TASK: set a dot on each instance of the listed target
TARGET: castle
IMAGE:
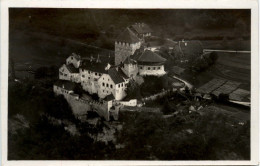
(105, 79)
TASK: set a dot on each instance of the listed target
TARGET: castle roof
(129, 61)
(141, 28)
(128, 36)
(68, 85)
(72, 69)
(94, 66)
(147, 57)
(116, 75)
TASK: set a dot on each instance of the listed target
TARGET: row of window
(151, 68)
(97, 74)
(107, 85)
(63, 74)
(111, 86)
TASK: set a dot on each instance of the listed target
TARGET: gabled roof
(115, 75)
(72, 69)
(148, 56)
(141, 28)
(65, 84)
(128, 36)
(94, 66)
(122, 74)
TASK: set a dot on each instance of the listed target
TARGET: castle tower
(130, 67)
(125, 45)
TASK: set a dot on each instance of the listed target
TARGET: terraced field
(229, 66)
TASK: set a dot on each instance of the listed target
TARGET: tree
(133, 90)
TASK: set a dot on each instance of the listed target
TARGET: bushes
(168, 107)
(154, 84)
(145, 135)
(44, 72)
(204, 62)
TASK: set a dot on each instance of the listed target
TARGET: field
(229, 66)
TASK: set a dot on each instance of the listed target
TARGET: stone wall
(81, 107)
(132, 102)
(156, 96)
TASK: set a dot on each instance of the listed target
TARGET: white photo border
(132, 4)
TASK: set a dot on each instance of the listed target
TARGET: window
(72, 57)
(88, 72)
(154, 68)
(65, 75)
(108, 79)
(107, 85)
(122, 85)
(141, 67)
(148, 68)
(89, 78)
(103, 84)
(111, 86)
(118, 85)
(103, 78)
(103, 90)
(96, 74)
(83, 76)
(99, 74)
(159, 68)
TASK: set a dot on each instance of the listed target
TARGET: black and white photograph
(139, 84)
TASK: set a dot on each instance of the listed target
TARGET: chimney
(108, 66)
(98, 60)
(91, 58)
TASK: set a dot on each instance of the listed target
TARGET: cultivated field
(229, 66)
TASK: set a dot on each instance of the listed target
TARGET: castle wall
(132, 102)
(89, 80)
(81, 107)
(151, 70)
(106, 85)
(123, 50)
(120, 91)
(130, 70)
